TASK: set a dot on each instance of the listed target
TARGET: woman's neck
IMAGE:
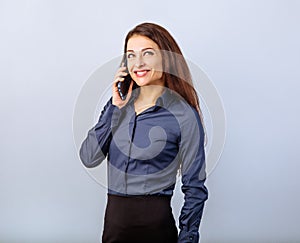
(149, 94)
(147, 97)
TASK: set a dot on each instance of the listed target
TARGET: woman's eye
(130, 55)
(148, 53)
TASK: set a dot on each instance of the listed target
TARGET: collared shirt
(145, 151)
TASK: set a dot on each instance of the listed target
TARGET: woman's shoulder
(178, 105)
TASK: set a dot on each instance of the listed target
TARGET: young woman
(156, 131)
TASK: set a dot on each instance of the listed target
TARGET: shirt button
(191, 238)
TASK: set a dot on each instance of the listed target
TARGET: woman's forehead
(138, 43)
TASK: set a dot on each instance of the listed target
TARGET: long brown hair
(176, 75)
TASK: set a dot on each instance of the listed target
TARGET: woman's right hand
(119, 77)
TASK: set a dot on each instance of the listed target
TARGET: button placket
(130, 147)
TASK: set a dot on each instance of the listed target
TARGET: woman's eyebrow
(142, 49)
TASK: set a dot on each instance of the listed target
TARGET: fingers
(121, 73)
(118, 79)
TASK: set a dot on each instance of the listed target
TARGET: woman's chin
(141, 82)
(145, 81)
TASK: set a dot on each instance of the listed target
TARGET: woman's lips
(141, 73)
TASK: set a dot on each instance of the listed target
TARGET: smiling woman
(144, 61)
(147, 137)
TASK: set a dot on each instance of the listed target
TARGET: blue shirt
(145, 151)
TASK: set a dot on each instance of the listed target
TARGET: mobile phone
(123, 86)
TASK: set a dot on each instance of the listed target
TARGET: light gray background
(249, 49)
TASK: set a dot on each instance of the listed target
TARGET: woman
(147, 138)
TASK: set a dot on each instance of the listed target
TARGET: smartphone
(123, 86)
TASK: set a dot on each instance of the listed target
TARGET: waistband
(140, 197)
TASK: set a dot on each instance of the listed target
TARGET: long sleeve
(96, 145)
(193, 177)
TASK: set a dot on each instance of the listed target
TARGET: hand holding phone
(123, 86)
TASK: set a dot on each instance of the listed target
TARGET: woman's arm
(193, 177)
(96, 145)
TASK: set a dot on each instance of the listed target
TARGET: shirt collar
(164, 100)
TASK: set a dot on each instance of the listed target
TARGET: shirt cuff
(188, 237)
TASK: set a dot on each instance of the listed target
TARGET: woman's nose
(139, 61)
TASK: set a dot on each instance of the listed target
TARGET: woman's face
(144, 61)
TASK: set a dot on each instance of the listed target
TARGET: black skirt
(139, 219)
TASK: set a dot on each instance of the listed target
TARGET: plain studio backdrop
(249, 49)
